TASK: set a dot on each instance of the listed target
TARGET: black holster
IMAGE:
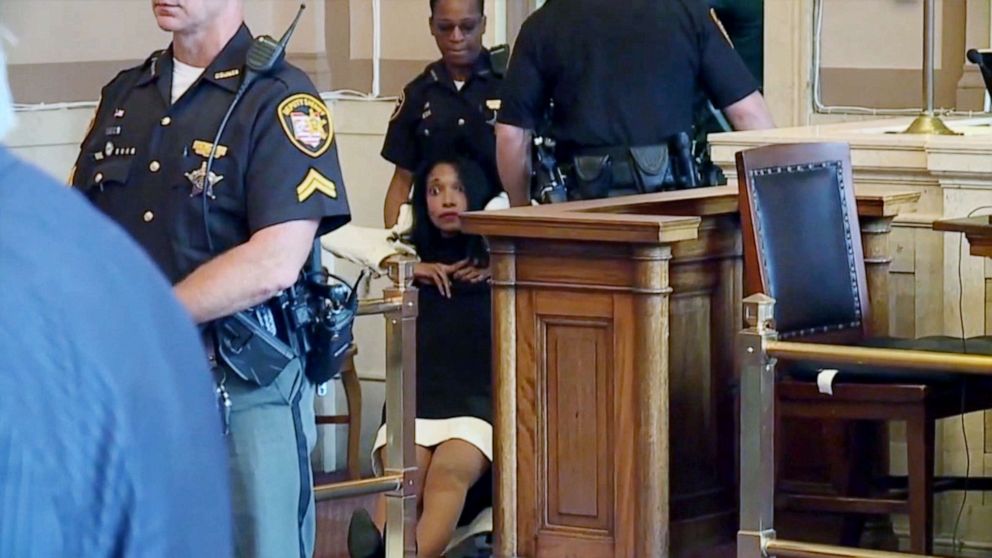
(250, 351)
(330, 332)
(599, 172)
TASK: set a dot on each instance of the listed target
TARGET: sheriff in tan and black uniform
(143, 163)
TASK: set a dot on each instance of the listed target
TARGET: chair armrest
(928, 361)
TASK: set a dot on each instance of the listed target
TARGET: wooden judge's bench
(614, 376)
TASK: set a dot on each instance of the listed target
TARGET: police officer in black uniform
(622, 90)
(452, 103)
(229, 238)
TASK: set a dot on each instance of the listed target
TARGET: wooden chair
(353, 397)
(802, 246)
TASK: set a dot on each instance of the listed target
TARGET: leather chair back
(802, 242)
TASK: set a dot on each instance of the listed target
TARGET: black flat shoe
(364, 538)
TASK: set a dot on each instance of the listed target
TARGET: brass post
(401, 401)
(757, 428)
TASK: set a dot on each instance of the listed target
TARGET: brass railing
(759, 348)
(793, 549)
(896, 358)
(399, 306)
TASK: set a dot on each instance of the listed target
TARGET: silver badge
(202, 183)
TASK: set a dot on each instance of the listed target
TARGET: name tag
(202, 148)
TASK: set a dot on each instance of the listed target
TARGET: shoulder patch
(399, 105)
(315, 182)
(307, 123)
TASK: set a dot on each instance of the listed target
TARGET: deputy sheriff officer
(451, 105)
(622, 80)
(275, 184)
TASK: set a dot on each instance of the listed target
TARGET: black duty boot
(364, 538)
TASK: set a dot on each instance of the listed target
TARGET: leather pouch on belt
(593, 176)
(251, 351)
(651, 166)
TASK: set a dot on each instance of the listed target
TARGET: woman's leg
(455, 466)
(423, 462)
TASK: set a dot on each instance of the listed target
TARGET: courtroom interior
(496, 278)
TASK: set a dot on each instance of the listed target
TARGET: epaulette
(139, 70)
(425, 77)
(152, 61)
(154, 56)
(499, 59)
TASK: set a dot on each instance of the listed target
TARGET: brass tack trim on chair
(838, 168)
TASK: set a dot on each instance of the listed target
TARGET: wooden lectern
(614, 377)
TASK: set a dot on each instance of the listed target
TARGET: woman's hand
(438, 274)
(472, 274)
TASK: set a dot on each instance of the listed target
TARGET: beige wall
(66, 50)
(872, 52)
(42, 27)
(887, 32)
(333, 41)
(867, 46)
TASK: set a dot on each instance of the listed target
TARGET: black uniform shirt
(276, 162)
(433, 115)
(619, 73)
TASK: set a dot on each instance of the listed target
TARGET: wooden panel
(705, 319)
(693, 458)
(592, 272)
(628, 455)
(554, 545)
(504, 398)
(577, 426)
(527, 466)
(567, 481)
(573, 304)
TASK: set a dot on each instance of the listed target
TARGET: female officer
(454, 101)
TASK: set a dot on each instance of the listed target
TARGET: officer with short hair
(233, 238)
(453, 103)
(622, 90)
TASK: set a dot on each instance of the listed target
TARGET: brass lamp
(928, 122)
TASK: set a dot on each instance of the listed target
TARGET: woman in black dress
(454, 398)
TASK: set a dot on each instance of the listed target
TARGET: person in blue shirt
(110, 437)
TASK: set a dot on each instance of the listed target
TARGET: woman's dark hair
(426, 237)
